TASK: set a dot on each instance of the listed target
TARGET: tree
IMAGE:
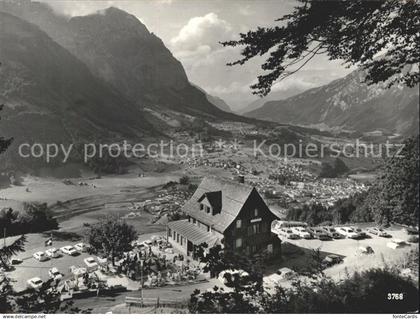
(36, 217)
(45, 300)
(6, 291)
(245, 290)
(111, 236)
(4, 142)
(380, 36)
(394, 198)
(216, 259)
(184, 180)
(40, 217)
(220, 301)
(365, 292)
(8, 251)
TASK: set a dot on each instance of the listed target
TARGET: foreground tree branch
(381, 37)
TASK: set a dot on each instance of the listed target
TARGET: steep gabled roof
(233, 197)
(215, 200)
(193, 233)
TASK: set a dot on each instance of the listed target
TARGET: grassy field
(75, 205)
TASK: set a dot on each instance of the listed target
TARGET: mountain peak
(110, 20)
(348, 103)
(53, 94)
(119, 50)
(116, 13)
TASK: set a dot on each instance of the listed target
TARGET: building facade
(226, 213)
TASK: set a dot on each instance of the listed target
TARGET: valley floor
(78, 201)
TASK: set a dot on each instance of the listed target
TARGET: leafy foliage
(220, 301)
(4, 142)
(244, 289)
(380, 36)
(184, 180)
(36, 217)
(8, 251)
(395, 196)
(45, 300)
(111, 236)
(104, 160)
(313, 214)
(365, 292)
(217, 260)
(335, 170)
(352, 209)
(6, 291)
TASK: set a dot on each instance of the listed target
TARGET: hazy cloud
(201, 35)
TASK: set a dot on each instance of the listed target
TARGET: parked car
(288, 233)
(361, 233)
(82, 247)
(55, 274)
(40, 256)
(332, 232)
(378, 232)
(301, 232)
(396, 243)
(34, 283)
(331, 260)
(348, 232)
(91, 264)
(52, 253)
(69, 250)
(319, 234)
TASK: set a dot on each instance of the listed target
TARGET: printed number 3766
(395, 296)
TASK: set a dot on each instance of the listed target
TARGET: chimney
(240, 179)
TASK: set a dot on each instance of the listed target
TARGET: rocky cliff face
(51, 96)
(349, 104)
(119, 49)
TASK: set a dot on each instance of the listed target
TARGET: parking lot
(30, 267)
(350, 250)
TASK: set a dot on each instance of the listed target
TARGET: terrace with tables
(151, 263)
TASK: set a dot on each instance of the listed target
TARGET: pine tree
(379, 36)
(395, 196)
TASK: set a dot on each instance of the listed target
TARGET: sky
(192, 29)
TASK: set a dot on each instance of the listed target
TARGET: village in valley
(227, 197)
(209, 157)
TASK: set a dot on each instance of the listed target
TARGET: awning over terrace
(193, 233)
